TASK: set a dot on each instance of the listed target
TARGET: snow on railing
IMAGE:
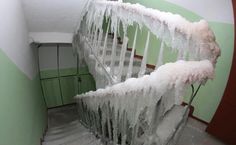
(144, 100)
(193, 41)
(177, 32)
(135, 111)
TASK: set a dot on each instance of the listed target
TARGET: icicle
(160, 57)
(124, 128)
(144, 61)
(181, 54)
(114, 123)
(130, 68)
(100, 38)
(122, 57)
(94, 42)
(92, 33)
(114, 47)
(105, 43)
(108, 121)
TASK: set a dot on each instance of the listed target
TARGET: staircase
(134, 104)
(65, 129)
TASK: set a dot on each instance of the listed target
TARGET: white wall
(51, 37)
(52, 15)
(211, 10)
(14, 36)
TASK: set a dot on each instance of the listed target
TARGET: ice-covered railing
(192, 40)
(144, 110)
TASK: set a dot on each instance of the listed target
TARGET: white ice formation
(144, 110)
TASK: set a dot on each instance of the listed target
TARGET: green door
(86, 83)
(69, 88)
(60, 78)
(51, 91)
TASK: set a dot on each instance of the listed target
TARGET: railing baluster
(130, 68)
(144, 61)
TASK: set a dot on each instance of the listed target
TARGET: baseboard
(61, 106)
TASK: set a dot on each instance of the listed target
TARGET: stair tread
(70, 138)
(62, 127)
(170, 122)
(64, 133)
(88, 141)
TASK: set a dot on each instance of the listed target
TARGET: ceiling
(52, 15)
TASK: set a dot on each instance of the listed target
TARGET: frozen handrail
(144, 110)
(193, 40)
(177, 32)
(143, 100)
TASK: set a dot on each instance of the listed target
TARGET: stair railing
(144, 110)
(193, 41)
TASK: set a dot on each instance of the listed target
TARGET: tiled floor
(193, 133)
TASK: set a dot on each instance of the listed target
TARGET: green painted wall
(210, 95)
(22, 109)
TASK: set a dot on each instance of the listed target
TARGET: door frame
(224, 115)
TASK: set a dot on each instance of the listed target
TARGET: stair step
(62, 127)
(86, 141)
(118, 51)
(64, 133)
(170, 122)
(126, 63)
(69, 139)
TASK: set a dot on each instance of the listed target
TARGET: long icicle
(114, 47)
(122, 56)
(160, 57)
(124, 128)
(144, 61)
(105, 43)
(130, 68)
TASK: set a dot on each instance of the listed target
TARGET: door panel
(67, 60)
(51, 90)
(48, 61)
(61, 93)
(69, 87)
(86, 84)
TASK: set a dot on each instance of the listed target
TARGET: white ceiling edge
(53, 15)
(211, 10)
(50, 37)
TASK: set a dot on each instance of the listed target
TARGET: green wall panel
(22, 108)
(205, 103)
(51, 90)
